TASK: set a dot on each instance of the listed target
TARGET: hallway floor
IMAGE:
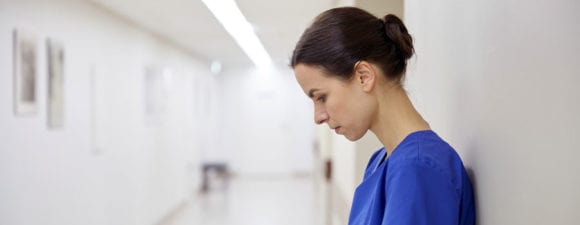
(253, 201)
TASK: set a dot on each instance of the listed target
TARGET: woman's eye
(321, 98)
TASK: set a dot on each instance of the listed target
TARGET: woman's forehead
(310, 77)
(313, 79)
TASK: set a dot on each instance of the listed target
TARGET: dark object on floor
(213, 170)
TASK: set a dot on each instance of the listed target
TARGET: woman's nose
(320, 116)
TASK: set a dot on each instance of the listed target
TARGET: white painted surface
(500, 81)
(119, 168)
(278, 24)
(265, 122)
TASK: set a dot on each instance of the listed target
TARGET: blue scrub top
(422, 182)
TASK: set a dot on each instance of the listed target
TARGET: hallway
(256, 201)
(109, 110)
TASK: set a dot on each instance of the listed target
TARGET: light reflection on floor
(253, 201)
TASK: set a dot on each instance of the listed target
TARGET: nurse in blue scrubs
(352, 65)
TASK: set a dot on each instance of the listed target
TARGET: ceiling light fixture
(232, 19)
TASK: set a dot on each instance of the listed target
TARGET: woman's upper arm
(419, 194)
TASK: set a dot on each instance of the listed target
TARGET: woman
(352, 65)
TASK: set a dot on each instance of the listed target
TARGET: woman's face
(342, 104)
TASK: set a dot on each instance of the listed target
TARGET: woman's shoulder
(429, 151)
(425, 146)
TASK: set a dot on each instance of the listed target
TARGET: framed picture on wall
(25, 72)
(155, 94)
(55, 96)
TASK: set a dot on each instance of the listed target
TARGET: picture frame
(155, 95)
(55, 90)
(25, 72)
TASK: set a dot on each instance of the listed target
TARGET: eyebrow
(311, 92)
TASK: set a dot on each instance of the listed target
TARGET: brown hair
(340, 37)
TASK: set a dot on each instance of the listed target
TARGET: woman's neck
(396, 118)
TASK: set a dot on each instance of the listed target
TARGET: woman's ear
(365, 75)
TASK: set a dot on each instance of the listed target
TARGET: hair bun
(398, 34)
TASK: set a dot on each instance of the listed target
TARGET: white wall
(109, 164)
(500, 81)
(265, 122)
(380, 8)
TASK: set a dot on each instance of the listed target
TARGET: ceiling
(191, 26)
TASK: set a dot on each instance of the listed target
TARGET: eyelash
(321, 98)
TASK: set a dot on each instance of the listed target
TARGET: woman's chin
(353, 138)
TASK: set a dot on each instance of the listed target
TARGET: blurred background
(141, 112)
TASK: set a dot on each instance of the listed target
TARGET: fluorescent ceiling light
(230, 16)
